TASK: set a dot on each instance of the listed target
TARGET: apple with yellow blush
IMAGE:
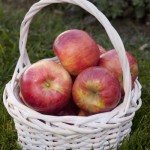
(76, 50)
(96, 90)
(45, 86)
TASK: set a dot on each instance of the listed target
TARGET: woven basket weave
(44, 132)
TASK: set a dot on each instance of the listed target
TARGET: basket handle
(112, 34)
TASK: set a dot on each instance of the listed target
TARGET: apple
(101, 49)
(96, 90)
(70, 109)
(46, 86)
(76, 50)
(83, 113)
(110, 60)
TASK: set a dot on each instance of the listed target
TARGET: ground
(44, 28)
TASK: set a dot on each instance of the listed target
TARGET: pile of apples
(86, 81)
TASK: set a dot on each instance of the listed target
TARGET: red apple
(46, 87)
(101, 49)
(110, 60)
(70, 109)
(96, 90)
(76, 50)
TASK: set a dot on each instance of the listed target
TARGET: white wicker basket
(101, 131)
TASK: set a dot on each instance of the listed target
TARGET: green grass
(43, 30)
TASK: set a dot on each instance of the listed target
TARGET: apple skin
(96, 90)
(101, 49)
(110, 60)
(46, 87)
(76, 50)
(70, 109)
(83, 113)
